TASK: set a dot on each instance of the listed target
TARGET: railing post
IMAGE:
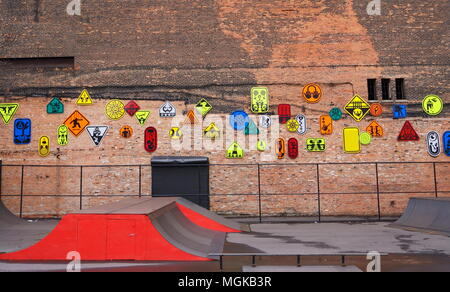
(81, 187)
(378, 191)
(21, 192)
(435, 180)
(140, 181)
(259, 194)
(318, 192)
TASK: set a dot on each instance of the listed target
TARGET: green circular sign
(335, 114)
(432, 105)
(365, 138)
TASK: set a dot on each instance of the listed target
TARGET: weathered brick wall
(184, 50)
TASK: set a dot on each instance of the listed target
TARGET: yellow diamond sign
(357, 108)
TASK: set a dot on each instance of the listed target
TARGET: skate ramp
(426, 214)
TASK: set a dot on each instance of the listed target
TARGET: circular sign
(239, 120)
(292, 125)
(265, 121)
(115, 109)
(432, 105)
(126, 132)
(175, 133)
(335, 114)
(376, 109)
(312, 93)
(365, 138)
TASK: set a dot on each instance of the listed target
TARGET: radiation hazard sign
(84, 98)
(76, 123)
(357, 108)
(235, 151)
(7, 111)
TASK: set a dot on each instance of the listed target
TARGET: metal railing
(259, 191)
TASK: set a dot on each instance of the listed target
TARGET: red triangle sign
(408, 133)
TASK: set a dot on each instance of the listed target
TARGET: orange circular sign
(126, 132)
(312, 93)
(376, 109)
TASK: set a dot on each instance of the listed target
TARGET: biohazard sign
(63, 135)
(280, 148)
(260, 100)
(84, 98)
(316, 145)
(131, 108)
(55, 106)
(211, 132)
(408, 133)
(352, 143)
(235, 151)
(97, 133)
(312, 93)
(76, 123)
(142, 116)
(150, 139)
(44, 146)
(375, 129)
(167, 110)
(191, 119)
(292, 125)
(251, 128)
(22, 131)
(115, 109)
(376, 109)
(433, 144)
(126, 132)
(326, 125)
(203, 107)
(284, 113)
(293, 148)
(175, 133)
(357, 108)
(7, 111)
(432, 105)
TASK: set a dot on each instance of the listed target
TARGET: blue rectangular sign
(22, 131)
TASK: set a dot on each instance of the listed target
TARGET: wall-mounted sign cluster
(131, 108)
(312, 93)
(150, 139)
(433, 144)
(316, 145)
(55, 106)
(408, 133)
(76, 123)
(235, 151)
(7, 111)
(126, 132)
(115, 109)
(260, 100)
(84, 98)
(167, 110)
(44, 146)
(62, 135)
(357, 108)
(142, 117)
(22, 131)
(432, 105)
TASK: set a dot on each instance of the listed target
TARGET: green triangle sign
(251, 128)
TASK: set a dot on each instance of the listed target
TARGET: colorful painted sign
(76, 123)
(265, 121)
(408, 133)
(97, 133)
(302, 126)
(365, 138)
(432, 105)
(7, 111)
(433, 144)
(175, 133)
(211, 132)
(63, 135)
(115, 109)
(376, 109)
(375, 129)
(235, 151)
(191, 119)
(126, 132)
(203, 107)
(352, 143)
(335, 114)
(280, 148)
(316, 145)
(292, 125)
(84, 98)
(167, 110)
(357, 108)
(326, 125)
(312, 93)
(399, 111)
(239, 120)
(260, 100)
(293, 148)
(22, 131)
(284, 113)
(44, 146)
(142, 117)
(131, 108)
(261, 145)
(446, 142)
(150, 139)
(55, 106)
(251, 128)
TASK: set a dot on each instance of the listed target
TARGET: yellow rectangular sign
(351, 140)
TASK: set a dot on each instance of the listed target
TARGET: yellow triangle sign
(7, 111)
(211, 132)
(235, 151)
(84, 98)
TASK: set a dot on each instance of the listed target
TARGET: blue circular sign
(239, 120)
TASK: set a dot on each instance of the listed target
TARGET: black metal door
(186, 177)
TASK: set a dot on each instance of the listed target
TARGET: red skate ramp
(135, 229)
(427, 214)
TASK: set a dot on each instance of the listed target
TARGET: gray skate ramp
(426, 214)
